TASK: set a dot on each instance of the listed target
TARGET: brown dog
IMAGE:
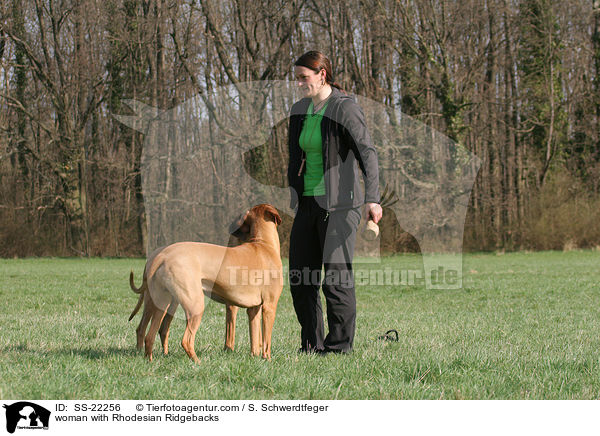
(248, 275)
(239, 233)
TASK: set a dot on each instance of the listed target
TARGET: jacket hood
(337, 96)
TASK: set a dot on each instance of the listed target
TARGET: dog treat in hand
(371, 231)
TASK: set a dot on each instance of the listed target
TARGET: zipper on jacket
(301, 166)
(303, 161)
(326, 174)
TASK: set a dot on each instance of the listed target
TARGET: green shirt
(312, 142)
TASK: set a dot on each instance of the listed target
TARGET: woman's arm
(353, 121)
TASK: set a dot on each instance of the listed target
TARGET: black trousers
(323, 239)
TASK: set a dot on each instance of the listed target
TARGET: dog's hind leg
(254, 324)
(189, 336)
(141, 329)
(149, 309)
(230, 317)
(157, 318)
(165, 327)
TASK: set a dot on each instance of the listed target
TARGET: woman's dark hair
(317, 61)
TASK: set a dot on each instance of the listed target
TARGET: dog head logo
(25, 415)
(196, 156)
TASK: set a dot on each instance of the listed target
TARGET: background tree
(513, 81)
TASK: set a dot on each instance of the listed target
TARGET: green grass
(525, 325)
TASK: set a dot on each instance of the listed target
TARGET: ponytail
(337, 85)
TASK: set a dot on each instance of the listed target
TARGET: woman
(327, 139)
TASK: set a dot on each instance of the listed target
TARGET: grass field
(525, 325)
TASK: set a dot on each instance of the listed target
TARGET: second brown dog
(248, 275)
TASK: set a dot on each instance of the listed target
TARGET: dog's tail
(141, 290)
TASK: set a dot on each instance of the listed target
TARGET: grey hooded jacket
(346, 143)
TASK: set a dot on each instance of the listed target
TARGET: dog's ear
(240, 227)
(272, 214)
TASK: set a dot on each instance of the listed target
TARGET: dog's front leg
(255, 335)
(268, 319)
(230, 316)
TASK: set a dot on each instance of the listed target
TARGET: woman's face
(309, 82)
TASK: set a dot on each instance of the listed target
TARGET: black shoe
(303, 350)
(332, 351)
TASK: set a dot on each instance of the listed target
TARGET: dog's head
(241, 227)
(266, 212)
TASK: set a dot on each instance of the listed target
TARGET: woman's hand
(374, 212)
